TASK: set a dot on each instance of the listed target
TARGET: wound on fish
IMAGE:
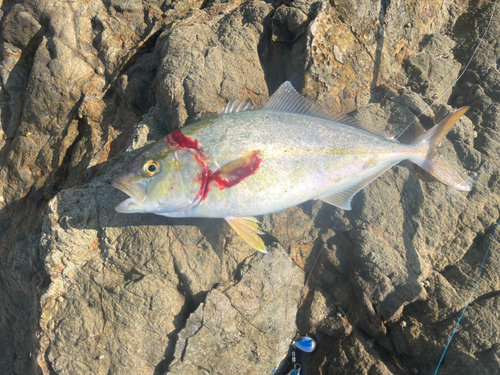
(227, 177)
(235, 172)
(179, 140)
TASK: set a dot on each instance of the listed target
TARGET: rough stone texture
(85, 85)
(239, 328)
(222, 47)
(353, 47)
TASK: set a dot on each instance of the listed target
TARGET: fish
(248, 162)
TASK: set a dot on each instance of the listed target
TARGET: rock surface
(85, 85)
(240, 327)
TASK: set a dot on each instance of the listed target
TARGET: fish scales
(303, 158)
(247, 163)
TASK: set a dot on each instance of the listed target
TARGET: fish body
(249, 162)
(300, 158)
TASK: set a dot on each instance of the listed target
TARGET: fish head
(162, 180)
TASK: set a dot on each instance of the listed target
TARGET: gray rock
(221, 47)
(86, 85)
(290, 22)
(246, 327)
(20, 28)
(433, 71)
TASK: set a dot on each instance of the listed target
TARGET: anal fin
(247, 227)
(343, 196)
(341, 199)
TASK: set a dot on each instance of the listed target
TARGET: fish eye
(151, 167)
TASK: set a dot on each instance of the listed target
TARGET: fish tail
(433, 162)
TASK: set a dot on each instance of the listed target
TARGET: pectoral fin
(247, 227)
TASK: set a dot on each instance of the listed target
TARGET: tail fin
(433, 162)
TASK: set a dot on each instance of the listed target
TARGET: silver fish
(248, 162)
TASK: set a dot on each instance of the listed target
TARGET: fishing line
(496, 229)
(275, 371)
(470, 298)
(305, 285)
(460, 76)
(317, 257)
(469, 178)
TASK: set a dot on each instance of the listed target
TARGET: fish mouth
(136, 192)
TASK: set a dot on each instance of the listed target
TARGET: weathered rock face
(85, 85)
(259, 306)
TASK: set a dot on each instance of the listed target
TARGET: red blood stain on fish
(181, 140)
(235, 172)
(177, 140)
(227, 177)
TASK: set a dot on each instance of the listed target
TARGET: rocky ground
(84, 290)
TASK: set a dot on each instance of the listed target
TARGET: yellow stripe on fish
(247, 162)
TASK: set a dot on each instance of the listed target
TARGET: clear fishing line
(469, 178)
(496, 229)
(460, 76)
(470, 298)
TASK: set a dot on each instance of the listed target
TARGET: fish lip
(126, 206)
(135, 191)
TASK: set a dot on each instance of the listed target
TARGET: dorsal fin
(287, 99)
(234, 106)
